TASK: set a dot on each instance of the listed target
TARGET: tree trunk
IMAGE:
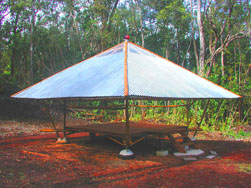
(13, 51)
(222, 64)
(141, 23)
(202, 39)
(31, 40)
(111, 15)
(193, 39)
(167, 53)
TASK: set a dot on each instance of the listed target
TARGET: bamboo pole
(218, 110)
(52, 120)
(157, 106)
(64, 118)
(203, 115)
(126, 92)
(188, 110)
(115, 107)
(127, 139)
(237, 103)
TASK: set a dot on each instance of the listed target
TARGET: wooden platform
(119, 129)
(178, 135)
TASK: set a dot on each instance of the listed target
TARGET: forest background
(211, 38)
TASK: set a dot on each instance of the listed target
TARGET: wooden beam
(127, 136)
(126, 92)
(115, 107)
(116, 141)
(188, 114)
(53, 130)
(203, 115)
(65, 113)
(157, 106)
(52, 120)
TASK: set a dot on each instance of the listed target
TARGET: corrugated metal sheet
(152, 75)
(149, 75)
(101, 75)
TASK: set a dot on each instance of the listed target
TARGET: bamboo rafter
(157, 106)
(115, 107)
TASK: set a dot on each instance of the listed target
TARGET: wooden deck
(178, 135)
(136, 129)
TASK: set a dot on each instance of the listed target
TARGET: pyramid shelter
(125, 70)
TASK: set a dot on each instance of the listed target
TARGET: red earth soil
(37, 161)
(33, 159)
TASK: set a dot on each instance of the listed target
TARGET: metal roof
(125, 66)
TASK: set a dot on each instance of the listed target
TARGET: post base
(62, 141)
(126, 154)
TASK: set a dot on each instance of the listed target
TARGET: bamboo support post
(203, 115)
(52, 120)
(64, 128)
(218, 110)
(188, 114)
(157, 106)
(115, 140)
(237, 104)
(127, 139)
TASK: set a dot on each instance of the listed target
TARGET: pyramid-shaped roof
(125, 70)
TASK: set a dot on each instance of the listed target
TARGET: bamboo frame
(115, 140)
(126, 92)
(157, 106)
(53, 130)
(128, 136)
(203, 115)
(140, 139)
(65, 113)
(188, 114)
(52, 120)
(115, 107)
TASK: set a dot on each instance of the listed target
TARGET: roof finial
(127, 37)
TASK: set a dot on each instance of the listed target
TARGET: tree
(173, 21)
(228, 21)
(202, 39)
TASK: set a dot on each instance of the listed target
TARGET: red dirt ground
(33, 159)
(37, 161)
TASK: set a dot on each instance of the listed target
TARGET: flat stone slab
(192, 139)
(190, 159)
(191, 152)
(162, 153)
(210, 156)
(213, 153)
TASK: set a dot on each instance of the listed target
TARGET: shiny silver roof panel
(149, 76)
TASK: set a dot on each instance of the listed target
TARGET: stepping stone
(192, 139)
(191, 152)
(213, 153)
(162, 153)
(210, 156)
(190, 159)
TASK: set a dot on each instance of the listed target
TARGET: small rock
(193, 139)
(190, 159)
(191, 152)
(213, 153)
(162, 153)
(210, 156)
(186, 148)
